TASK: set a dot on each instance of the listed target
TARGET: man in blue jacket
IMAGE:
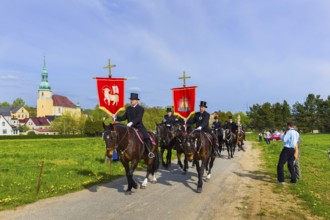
(290, 139)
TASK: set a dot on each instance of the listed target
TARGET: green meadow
(314, 186)
(69, 165)
(78, 163)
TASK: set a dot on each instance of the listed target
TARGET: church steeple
(44, 85)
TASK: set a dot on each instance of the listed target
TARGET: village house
(6, 128)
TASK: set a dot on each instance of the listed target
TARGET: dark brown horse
(131, 150)
(179, 137)
(198, 147)
(164, 137)
(230, 142)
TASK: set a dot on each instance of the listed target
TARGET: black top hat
(168, 110)
(134, 96)
(215, 117)
(203, 104)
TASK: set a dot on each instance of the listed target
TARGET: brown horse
(164, 137)
(179, 137)
(198, 147)
(239, 137)
(131, 150)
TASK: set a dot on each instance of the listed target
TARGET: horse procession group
(196, 145)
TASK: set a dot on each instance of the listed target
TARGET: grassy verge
(314, 187)
(69, 165)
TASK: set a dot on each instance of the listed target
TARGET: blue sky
(237, 52)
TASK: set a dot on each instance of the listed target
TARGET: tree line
(313, 114)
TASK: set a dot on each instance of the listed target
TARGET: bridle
(228, 133)
(110, 138)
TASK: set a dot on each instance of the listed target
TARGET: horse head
(109, 136)
(191, 143)
(177, 130)
(228, 135)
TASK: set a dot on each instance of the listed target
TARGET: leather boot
(149, 148)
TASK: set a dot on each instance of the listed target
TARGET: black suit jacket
(135, 115)
(232, 126)
(216, 125)
(201, 119)
(169, 120)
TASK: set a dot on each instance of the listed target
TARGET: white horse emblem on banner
(111, 96)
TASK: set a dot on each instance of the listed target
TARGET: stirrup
(151, 155)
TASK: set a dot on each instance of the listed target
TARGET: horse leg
(233, 149)
(240, 146)
(131, 183)
(153, 167)
(208, 177)
(228, 149)
(129, 178)
(179, 159)
(185, 164)
(162, 150)
(168, 157)
(200, 171)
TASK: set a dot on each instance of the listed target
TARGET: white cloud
(13, 77)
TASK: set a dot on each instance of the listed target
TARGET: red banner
(184, 101)
(111, 94)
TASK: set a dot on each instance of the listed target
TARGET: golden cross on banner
(109, 67)
(184, 77)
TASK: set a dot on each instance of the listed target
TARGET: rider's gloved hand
(199, 128)
(114, 117)
(129, 124)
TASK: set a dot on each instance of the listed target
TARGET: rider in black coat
(202, 123)
(169, 118)
(216, 124)
(231, 125)
(133, 115)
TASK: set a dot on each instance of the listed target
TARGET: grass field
(69, 165)
(74, 164)
(314, 187)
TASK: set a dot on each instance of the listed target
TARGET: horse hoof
(135, 186)
(128, 193)
(153, 181)
(199, 189)
(207, 180)
(142, 187)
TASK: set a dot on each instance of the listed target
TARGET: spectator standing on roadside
(290, 139)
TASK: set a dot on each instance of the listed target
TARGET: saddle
(150, 134)
(209, 137)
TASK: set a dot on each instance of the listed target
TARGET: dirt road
(236, 191)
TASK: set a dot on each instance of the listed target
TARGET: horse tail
(155, 163)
